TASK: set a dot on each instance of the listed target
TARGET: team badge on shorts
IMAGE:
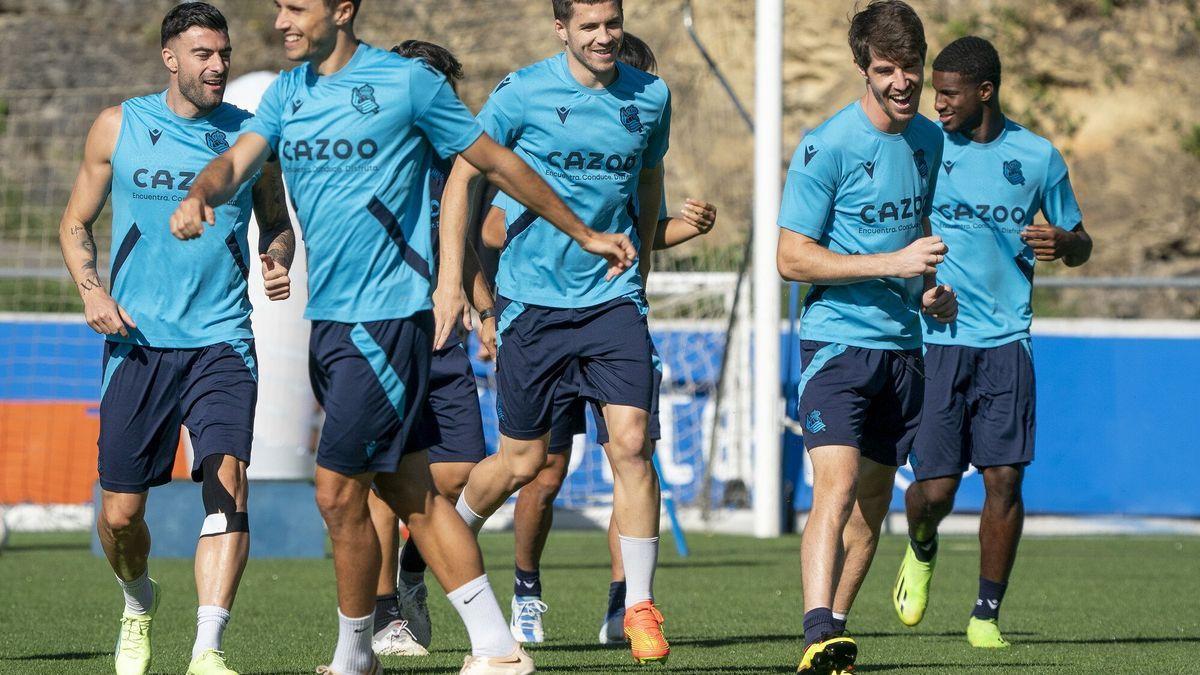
(631, 118)
(813, 422)
(922, 165)
(216, 141)
(363, 99)
(1012, 172)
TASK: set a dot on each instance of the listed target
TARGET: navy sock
(839, 625)
(527, 583)
(817, 624)
(616, 597)
(924, 550)
(410, 558)
(387, 610)
(991, 594)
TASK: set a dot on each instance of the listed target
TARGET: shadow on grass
(1112, 641)
(675, 642)
(63, 656)
(674, 564)
(961, 667)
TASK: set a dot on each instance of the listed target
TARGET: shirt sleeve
(808, 194)
(268, 118)
(660, 139)
(504, 113)
(1058, 198)
(439, 113)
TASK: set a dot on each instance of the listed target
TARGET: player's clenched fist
(941, 303)
(920, 257)
(615, 248)
(188, 220)
(275, 278)
(700, 215)
(104, 315)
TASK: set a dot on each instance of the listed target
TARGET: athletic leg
(450, 549)
(222, 550)
(999, 535)
(861, 536)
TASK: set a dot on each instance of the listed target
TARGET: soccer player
(356, 129)
(534, 514)
(451, 426)
(979, 393)
(598, 130)
(178, 346)
(853, 214)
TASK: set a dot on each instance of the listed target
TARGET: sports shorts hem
(523, 435)
(199, 458)
(132, 488)
(384, 467)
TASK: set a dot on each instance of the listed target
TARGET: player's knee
(628, 444)
(1002, 485)
(222, 512)
(339, 504)
(523, 466)
(547, 485)
(121, 516)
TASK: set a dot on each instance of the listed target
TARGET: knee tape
(222, 516)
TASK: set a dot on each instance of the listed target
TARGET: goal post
(768, 105)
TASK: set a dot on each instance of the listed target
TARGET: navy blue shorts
(147, 393)
(451, 425)
(570, 417)
(372, 379)
(979, 409)
(868, 399)
(608, 345)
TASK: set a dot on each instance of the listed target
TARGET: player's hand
(188, 220)
(918, 258)
(700, 215)
(104, 315)
(450, 309)
(275, 279)
(1048, 242)
(487, 339)
(941, 303)
(615, 248)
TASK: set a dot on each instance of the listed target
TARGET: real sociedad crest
(363, 99)
(216, 141)
(922, 165)
(631, 118)
(1012, 172)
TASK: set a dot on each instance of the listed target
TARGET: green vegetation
(1191, 141)
(1075, 605)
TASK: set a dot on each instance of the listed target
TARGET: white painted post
(768, 122)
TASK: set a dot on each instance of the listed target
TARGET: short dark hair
(565, 9)
(972, 57)
(438, 57)
(189, 14)
(635, 52)
(889, 28)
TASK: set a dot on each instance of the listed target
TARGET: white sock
(139, 594)
(353, 653)
(476, 604)
(640, 558)
(839, 616)
(473, 520)
(210, 627)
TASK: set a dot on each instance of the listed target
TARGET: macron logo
(562, 114)
(155, 134)
(949, 167)
(809, 153)
(296, 106)
(870, 167)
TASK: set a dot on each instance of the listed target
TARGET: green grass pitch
(1076, 605)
